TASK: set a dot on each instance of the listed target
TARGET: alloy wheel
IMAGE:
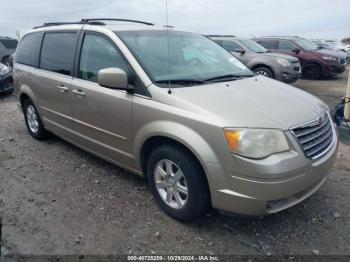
(263, 73)
(171, 183)
(32, 119)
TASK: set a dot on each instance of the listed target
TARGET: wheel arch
(158, 133)
(26, 93)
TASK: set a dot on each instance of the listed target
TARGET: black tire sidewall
(42, 133)
(308, 67)
(198, 202)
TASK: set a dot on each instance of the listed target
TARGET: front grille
(316, 137)
(342, 61)
(296, 68)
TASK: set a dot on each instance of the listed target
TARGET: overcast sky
(310, 18)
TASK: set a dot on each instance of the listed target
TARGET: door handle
(79, 93)
(63, 89)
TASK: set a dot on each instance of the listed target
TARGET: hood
(338, 54)
(289, 58)
(256, 102)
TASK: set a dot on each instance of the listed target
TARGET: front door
(103, 116)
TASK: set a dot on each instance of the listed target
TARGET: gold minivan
(178, 109)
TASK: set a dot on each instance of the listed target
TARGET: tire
(33, 121)
(179, 206)
(264, 71)
(312, 71)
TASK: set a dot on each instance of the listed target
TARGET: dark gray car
(284, 68)
(7, 48)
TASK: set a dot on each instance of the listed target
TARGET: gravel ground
(56, 199)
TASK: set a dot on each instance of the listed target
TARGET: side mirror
(114, 78)
(10, 61)
(239, 50)
(296, 51)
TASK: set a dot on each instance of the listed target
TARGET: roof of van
(113, 24)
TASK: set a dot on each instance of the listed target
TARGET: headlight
(330, 58)
(5, 70)
(283, 62)
(256, 143)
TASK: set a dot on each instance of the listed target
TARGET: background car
(334, 46)
(315, 61)
(6, 82)
(281, 67)
(7, 47)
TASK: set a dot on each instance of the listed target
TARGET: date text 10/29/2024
(173, 258)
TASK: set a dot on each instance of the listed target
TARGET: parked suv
(7, 48)
(196, 122)
(315, 61)
(281, 67)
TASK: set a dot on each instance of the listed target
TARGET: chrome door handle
(63, 89)
(79, 93)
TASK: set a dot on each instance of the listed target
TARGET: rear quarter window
(57, 53)
(28, 51)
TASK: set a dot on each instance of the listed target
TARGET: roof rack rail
(91, 21)
(115, 19)
(220, 35)
(280, 36)
(68, 23)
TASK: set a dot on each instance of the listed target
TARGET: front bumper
(334, 69)
(6, 85)
(256, 196)
(290, 74)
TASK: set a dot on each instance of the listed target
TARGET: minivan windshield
(253, 46)
(306, 45)
(193, 59)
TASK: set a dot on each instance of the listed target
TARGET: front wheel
(312, 71)
(178, 183)
(264, 71)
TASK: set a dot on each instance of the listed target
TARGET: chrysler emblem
(321, 119)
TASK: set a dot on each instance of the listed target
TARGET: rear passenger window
(286, 45)
(98, 53)
(57, 54)
(28, 51)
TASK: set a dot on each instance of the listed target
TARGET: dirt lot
(57, 199)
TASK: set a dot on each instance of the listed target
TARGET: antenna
(168, 42)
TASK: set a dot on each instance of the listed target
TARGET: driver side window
(98, 53)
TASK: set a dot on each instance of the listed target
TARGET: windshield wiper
(228, 77)
(180, 81)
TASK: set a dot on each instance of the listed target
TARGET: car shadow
(236, 224)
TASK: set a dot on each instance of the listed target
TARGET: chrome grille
(315, 137)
